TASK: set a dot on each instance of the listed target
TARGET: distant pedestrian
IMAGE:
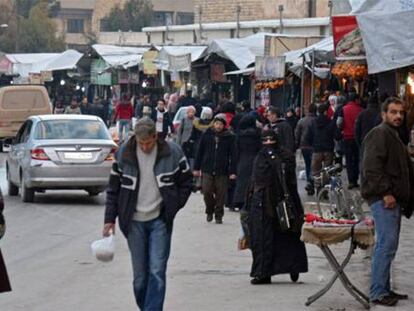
(215, 162)
(4, 279)
(97, 109)
(84, 105)
(274, 251)
(73, 108)
(291, 119)
(123, 115)
(248, 144)
(59, 107)
(186, 135)
(321, 138)
(281, 127)
(350, 113)
(301, 136)
(388, 186)
(162, 120)
(172, 105)
(149, 183)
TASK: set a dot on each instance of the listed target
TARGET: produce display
(269, 85)
(350, 69)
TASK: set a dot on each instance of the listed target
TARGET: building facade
(81, 21)
(226, 10)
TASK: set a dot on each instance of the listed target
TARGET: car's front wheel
(28, 194)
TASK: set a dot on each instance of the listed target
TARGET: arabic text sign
(268, 67)
(347, 37)
(180, 62)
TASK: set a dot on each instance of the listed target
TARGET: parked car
(17, 103)
(60, 152)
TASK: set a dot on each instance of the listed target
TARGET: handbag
(284, 207)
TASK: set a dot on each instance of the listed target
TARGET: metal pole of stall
(302, 94)
(313, 76)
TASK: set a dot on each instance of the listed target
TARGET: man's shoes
(398, 296)
(209, 217)
(353, 186)
(294, 276)
(260, 281)
(219, 220)
(387, 301)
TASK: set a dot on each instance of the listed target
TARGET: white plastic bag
(302, 175)
(104, 249)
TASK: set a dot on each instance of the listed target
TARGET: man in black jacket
(162, 120)
(149, 183)
(281, 127)
(321, 138)
(216, 161)
(388, 186)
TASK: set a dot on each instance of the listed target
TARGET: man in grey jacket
(302, 142)
(150, 182)
(388, 186)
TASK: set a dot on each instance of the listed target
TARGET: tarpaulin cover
(387, 28)
(242, 52)
(162, 59)
(119, 56)
(324, 46)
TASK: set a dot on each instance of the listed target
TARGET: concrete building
(226, 10)
(82, 20)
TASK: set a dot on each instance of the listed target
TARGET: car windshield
(71, 129)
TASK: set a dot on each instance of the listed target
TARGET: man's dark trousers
(352, 160)
(214, 190)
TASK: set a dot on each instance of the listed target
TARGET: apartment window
(104, 25)
(185, 18)
(162, 18)
(75, 26)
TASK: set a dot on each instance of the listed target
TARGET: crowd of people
(245, 159)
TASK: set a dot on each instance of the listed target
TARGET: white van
(19, 102)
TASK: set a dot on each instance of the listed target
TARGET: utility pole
(330, 5)
(17, 41)
(238, 12)
(200, 23)
(281, 8)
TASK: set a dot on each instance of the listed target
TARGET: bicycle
(333, 200)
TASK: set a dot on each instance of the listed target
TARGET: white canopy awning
(120, 56)
(166, 51)
(387, 32)
(242, 52)
(23, 64)
(326, 45)
(246, 71)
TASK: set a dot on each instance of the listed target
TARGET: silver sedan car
(60, 152)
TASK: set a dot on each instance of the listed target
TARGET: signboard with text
(348, 42)
(269, 67)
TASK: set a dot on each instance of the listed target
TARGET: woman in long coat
(4, 280)
(274, 251)
(248, 144)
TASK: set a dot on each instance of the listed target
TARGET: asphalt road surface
(47, 251)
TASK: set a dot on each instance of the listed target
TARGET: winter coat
(248, 144)
(350, 112)
(366, 121)
(187, 137)
(97, 109)
(274, 251)
(302, 131)
(321, 134)
(387, 168)
(285, 134)
(4, 279)
(124, 111)
(166, 121)
(172, 173)
(216, 153)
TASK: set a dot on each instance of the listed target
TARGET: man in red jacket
(123, 114)
(350, 114)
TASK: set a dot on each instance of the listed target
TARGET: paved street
(47, 250)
